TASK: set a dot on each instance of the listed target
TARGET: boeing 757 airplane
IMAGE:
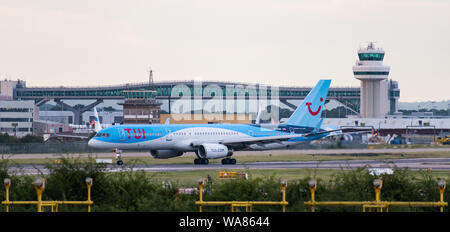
(214, 141)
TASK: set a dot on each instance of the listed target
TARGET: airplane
(97, 128)
(214, 141)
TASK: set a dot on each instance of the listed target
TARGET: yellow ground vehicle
(444, 140)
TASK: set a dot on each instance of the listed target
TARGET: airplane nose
(92, 143)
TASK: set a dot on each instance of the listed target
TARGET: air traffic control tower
(373, 74)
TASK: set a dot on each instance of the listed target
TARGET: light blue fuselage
(181, 136)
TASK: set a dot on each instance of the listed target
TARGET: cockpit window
(102, 135)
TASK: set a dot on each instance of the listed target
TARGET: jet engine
(213, 151)
(165, 154)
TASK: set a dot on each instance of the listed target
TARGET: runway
(412, 164)
(239, 153)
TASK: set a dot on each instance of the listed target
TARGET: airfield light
(312, 183)
(7, 182)
(39, 183)
(201, 181)
(200, 191)
(441, 184)
(378, 183)
(89, 181)
(312, 188)
(283, 188)
(283, 183)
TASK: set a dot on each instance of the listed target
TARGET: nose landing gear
(118, 157)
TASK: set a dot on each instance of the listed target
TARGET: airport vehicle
(213, 141)
(444, 140)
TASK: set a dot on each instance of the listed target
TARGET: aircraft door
(169, 135)
(121, 134)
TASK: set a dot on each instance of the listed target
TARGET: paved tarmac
(413, 164)
(238, 153)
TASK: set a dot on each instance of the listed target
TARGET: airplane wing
(348, 133)
(67, 136)
(239, 142)
(321, 132)
(71, 136)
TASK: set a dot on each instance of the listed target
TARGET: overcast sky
(279, 42)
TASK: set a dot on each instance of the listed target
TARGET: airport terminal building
(375, 101)
(17, 117)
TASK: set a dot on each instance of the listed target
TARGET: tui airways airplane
(213, 141)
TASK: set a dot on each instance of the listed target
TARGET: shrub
(137, 191)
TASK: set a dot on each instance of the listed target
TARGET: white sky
(279, 42)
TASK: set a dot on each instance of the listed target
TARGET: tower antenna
(151, 83)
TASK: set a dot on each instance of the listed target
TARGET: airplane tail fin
(97, 125)
(308, 113)
(53, 131)
(258, 116)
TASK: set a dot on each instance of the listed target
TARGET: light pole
(7, 183)
(89, 182)
(39, 185)
(201, 182)
(377, 184)
(312, 188)
(283, 187)
(441, 185)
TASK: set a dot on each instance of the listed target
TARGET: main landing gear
(206, 161)
(228, 161)
(201, 161)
